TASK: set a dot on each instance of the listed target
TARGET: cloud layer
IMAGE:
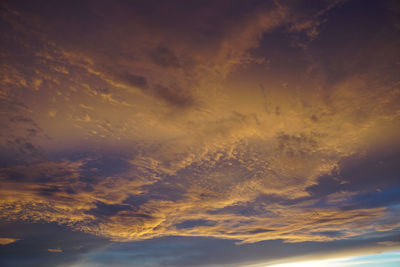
(247, 121)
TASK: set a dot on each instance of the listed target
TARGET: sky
(200, 133)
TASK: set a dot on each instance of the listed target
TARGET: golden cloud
(204, 151)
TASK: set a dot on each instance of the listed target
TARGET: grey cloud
(209, 252)
(107, 210)
(296, 145)
(248, 209)
(359, 173)
(174, 95)
(164, 57)
(22, 119)
(134, 80)
(362, 172)
(36, 239)
(326, 185)
(105, 165)
(195, 223)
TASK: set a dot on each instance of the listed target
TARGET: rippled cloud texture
(130, 127)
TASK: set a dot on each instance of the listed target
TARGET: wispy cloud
(55, 250)
(7, 240)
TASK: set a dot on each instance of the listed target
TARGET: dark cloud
(185, 251)
(342, 61)
(104, 209)
(239, 209)
(164, 57)
(19, 150)
(330, 233)
(326, 185)
(133, 80)
(296, 145)
(358, 177)
(275, 198)
(21, 118)
(359, 173)
(160, 190)
(174, 95)
(362, 172)
(137, 80)
(373, 199)
(105, 165)
(36, 239)
(251, 209)
(194, 223)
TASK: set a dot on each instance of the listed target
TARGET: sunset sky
(213, 133)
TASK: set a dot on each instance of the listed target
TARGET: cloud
(7, 240)
(194, 223)
(145, 120)
(134, 80)
(389, 243)
(220, 202)
(164, 57)
(175, 96)
(55, 250)
(37, 238)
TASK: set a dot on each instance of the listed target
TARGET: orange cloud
(7, 240)
(55, 250)
(204, 151)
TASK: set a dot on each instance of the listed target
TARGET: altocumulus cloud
(246, 124)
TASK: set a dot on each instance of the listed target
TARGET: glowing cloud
(244, 121)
